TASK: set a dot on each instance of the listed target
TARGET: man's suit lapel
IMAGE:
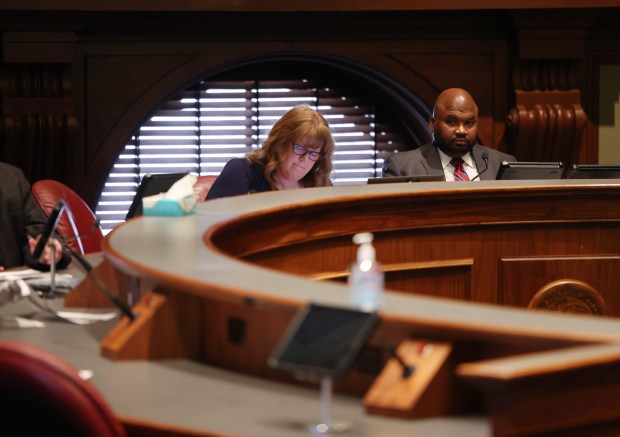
(480, 164)
(431, 161)
(476, 153)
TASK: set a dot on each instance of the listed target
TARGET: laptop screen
(530, 170)
(594, 171)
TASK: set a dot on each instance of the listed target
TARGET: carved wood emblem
(569, 296)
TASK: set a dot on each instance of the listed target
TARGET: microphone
(90, 231)
(93, 227)
(122, 306)
(407, 368)
(50, 226)
(485, 156)
(390, 348)
(88, 268)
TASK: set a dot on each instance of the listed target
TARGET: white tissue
(177, 201)
(181, 188)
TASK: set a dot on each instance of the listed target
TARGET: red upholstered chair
(76, 224)
(202, 186)
(42, 395)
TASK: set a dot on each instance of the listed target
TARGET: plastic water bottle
(366, 280)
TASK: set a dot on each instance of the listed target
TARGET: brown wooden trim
(300, 5)
(396, 267)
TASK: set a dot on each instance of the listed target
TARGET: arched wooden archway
(408, 108)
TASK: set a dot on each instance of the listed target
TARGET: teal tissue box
(169, 207)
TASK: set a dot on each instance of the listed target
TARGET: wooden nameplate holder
(424, 393)
(167, 325)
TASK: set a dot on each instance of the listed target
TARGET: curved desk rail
(229, 279)
(476, 245)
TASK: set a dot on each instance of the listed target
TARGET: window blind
(206, 125)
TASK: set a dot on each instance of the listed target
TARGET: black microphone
(50, 226)
(88, 268)
(90, 231)
(407, 368)
(390, 348)
(485, 156)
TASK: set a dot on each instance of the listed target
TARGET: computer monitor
(150, 185)
(529, 170)
(594, 171)
(323, 341)
(412, 178)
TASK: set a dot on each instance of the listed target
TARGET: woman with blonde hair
(297, 154)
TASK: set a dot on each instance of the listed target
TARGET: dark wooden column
(547, 121)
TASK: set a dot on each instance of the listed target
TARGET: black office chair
(42, 395)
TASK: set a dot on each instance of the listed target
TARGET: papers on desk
(11, 275)
(85, 318)
(16, 322)
(85, 374)
(54, 306)
(75, 317)
(34, 275)
(41, 281)
(36, 287)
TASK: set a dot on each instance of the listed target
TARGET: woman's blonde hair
(300, 121)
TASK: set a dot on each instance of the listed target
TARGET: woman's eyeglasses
(300, 150)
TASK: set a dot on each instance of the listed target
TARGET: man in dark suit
(21, 223)
(454, 152)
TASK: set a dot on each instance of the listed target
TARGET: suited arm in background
(426, 161)
(20, 217)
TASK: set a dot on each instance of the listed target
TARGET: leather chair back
(77, 223)
(40, 394)
(202, 186)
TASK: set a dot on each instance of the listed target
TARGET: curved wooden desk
(229, 279)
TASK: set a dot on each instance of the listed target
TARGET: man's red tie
(459, 171)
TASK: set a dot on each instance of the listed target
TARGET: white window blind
(206, 125)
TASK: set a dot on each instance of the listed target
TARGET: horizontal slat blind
(206, 125)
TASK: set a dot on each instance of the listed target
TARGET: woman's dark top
(239, 176)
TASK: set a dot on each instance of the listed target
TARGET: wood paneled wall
(76, 81)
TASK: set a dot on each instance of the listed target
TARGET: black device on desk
(594, 171)
(150, 185)
(529, 170)
(323, 340)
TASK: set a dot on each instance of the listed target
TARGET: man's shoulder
(408, 154)
(4, 166)
(494, 153)
(10, 171)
